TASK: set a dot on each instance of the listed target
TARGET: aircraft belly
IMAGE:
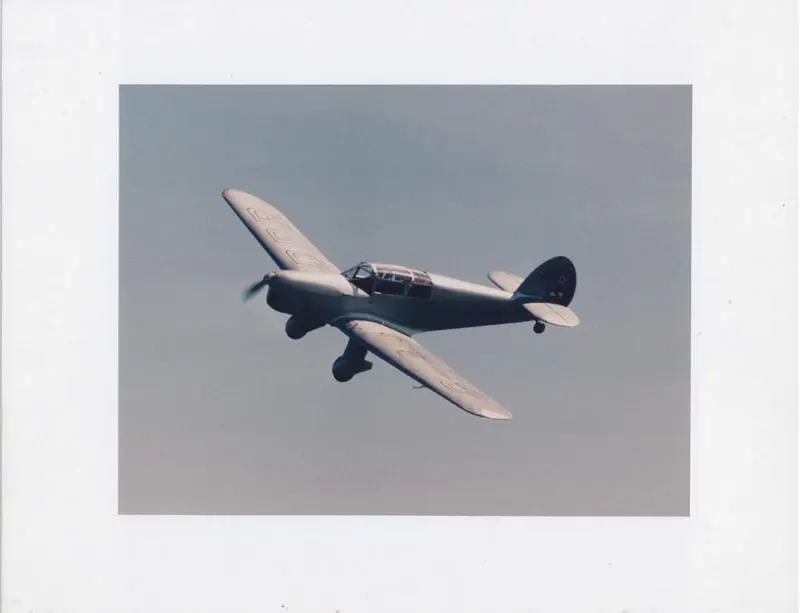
(443, 312)
(449, 320)
(393, 309)
(451, 311)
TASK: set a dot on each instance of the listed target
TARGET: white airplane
(381, 306)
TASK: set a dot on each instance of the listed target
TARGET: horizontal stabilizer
(505, 280)
(554, 314)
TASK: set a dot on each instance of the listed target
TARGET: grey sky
(221, 413)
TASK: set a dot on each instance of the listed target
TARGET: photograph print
(405, 300)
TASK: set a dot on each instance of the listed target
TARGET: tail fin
(553, 281)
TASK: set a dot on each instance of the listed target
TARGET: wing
(407, 355)
(285, 244)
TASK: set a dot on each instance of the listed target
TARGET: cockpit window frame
(377, 278)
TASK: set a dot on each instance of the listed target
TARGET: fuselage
(448, 303)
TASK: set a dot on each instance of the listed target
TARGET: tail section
(553, 281)
(555, 314)
(505, 280)
(545, 293)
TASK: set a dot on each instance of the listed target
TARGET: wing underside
(285, 244)
(411, 358)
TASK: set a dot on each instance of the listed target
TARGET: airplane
(380, 307)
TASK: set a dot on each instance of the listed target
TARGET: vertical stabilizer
(553, 281)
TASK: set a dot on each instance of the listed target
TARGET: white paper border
(65, 549)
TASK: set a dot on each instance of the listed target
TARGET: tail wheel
(538, 327)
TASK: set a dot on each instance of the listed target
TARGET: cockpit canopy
(389, 279)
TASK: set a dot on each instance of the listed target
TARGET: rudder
(552, 281)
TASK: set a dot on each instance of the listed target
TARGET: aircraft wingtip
(499, 414)
(234, 196)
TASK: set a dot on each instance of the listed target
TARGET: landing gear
(340, 372)
(538, 327)
(350, 363)
(344, 369)
(297, 328)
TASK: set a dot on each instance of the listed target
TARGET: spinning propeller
(256, 287)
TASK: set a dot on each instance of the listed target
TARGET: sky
(221, 413)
